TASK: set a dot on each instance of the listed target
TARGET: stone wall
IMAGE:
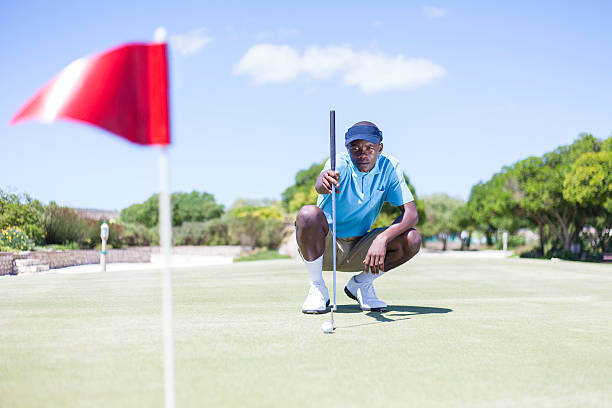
(61, 259)
(7, 262)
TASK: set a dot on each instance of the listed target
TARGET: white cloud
(192, 42)
(380, 73)
(371, 72)
(322, 63)
(270, 63)
(434, 12)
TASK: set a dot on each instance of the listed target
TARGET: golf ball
(327, 327)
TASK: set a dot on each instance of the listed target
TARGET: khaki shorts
(350, 252)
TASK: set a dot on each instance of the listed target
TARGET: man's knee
(407, 245)
(308, 216)
(412, 242)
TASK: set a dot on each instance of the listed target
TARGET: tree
(463, 218)
(146, 213)
(493, 207)
(388, 212)
(537, 186)
(194, 207)
(589, 185)
(186, 207)
(440, 220)
(302, 192)
(561, 192)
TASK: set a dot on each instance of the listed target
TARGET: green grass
(460, 332)
(264, 255)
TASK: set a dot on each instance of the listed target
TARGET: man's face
(364, 154)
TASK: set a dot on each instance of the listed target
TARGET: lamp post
(505, 242)
(104, 236)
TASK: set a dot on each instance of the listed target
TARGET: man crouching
(364, 180)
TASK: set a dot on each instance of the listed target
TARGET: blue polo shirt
(362, 195)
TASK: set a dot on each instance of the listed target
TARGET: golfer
(364, 179)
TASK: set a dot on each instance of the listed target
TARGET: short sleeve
(398, 192)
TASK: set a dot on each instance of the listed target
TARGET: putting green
(460, 332)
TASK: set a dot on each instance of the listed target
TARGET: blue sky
(459, 90)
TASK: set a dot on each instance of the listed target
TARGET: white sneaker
(364, 294)
(317, 300)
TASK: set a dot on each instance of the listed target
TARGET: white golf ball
(327, 327)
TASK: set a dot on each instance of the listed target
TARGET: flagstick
(165, 238)
(165, 241)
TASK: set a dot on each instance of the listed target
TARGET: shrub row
(198, 220)
(247, 230)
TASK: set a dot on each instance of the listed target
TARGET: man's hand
(374, 261)
(326, 180)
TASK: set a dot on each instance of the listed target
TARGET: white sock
(315, 269)
(365, 277)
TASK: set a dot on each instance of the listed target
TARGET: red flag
(123, 90)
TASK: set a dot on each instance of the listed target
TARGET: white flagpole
(165, 241)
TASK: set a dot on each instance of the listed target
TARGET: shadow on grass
(394, 313)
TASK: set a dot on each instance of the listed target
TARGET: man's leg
(311, 228)
(401, 249)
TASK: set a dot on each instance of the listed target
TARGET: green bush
(137, 235)
(244, 230)
(587, 254)
(92, 237)
(213, 232)
(24, 212)
(15, 239)
(63, 225)
(190, 233)
(514, 241)
(217, 232)
(271, 234)
(255, 231)
(115, 234)
(256, 223)
(186, 207)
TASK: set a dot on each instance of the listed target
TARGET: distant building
(97, 215)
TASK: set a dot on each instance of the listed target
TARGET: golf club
(332, 158)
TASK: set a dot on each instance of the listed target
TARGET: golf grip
(332, 139)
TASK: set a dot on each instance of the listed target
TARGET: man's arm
(326, 180)
(375, 258)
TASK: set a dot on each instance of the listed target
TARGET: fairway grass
(460, 332)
